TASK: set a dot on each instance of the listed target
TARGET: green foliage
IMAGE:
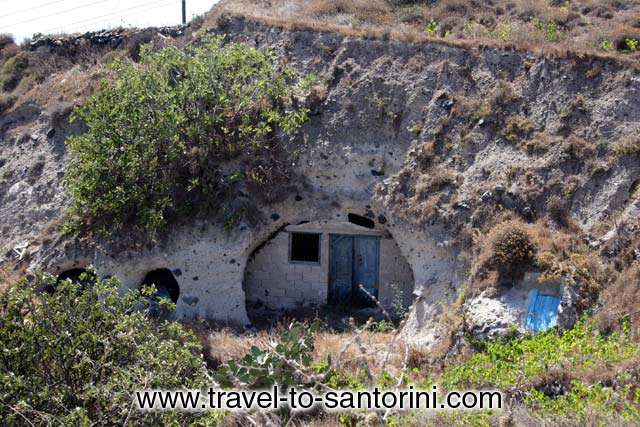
(12, 71)
(280, 365)
(631, 44)
(75, 355)
(158, 131)
(503, 31)
(607, 45)
(509, 363)
(550, 29)
(432, 28)
(584, 400)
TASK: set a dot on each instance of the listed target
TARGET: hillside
(555, 28)
(482, 167)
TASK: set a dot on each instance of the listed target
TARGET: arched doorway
(325, 263)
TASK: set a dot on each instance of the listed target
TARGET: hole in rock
(361, 221)
(165, 283)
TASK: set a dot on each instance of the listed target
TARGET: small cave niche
(74, 274)
(361, 220)
(81, 276)
(165, 283)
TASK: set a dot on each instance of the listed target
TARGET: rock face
(493, 317)
(381, 104)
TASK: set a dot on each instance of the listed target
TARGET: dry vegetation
(370, 344)
(609, 28)
(64, 75)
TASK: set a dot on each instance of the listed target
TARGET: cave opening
(165, 283)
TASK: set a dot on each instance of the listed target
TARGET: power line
(55, 14)
(32, 8)
(97, 18)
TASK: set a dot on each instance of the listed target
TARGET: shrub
(5, 40)
(157, 133)
(11, 71)
(432, 28)
(513, 247)
(621, 300)
(627, 146)
(518, 128)
(75, 355)
(6, 102)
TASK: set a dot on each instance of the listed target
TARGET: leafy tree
(74, 356)
(158, 132)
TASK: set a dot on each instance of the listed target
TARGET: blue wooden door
(543, 312)
(354, 261)
(341, 269)
(366, 252)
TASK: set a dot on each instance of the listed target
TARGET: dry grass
(349, 350)
(355, 350)
(569, 29)
(70, 86)
(374, 11)
(622, 300)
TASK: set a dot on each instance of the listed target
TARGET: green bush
(12, 71)
(158, 132)
(74, 356)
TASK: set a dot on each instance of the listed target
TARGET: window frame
(292, 261)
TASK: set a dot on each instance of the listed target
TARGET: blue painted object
(341, 272)
(366, 252)
(354, 261)
(543, 312)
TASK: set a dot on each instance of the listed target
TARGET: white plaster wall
(271, 279)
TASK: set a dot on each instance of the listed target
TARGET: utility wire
(97, 18)
(32, 8)
(54, 14)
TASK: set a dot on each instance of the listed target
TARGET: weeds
(627, 146)
(432, 28)
(518, 128)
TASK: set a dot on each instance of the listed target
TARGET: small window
(305, 247)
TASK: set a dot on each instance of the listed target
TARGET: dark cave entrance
(165, 283)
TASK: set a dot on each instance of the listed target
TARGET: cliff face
(434, 142)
